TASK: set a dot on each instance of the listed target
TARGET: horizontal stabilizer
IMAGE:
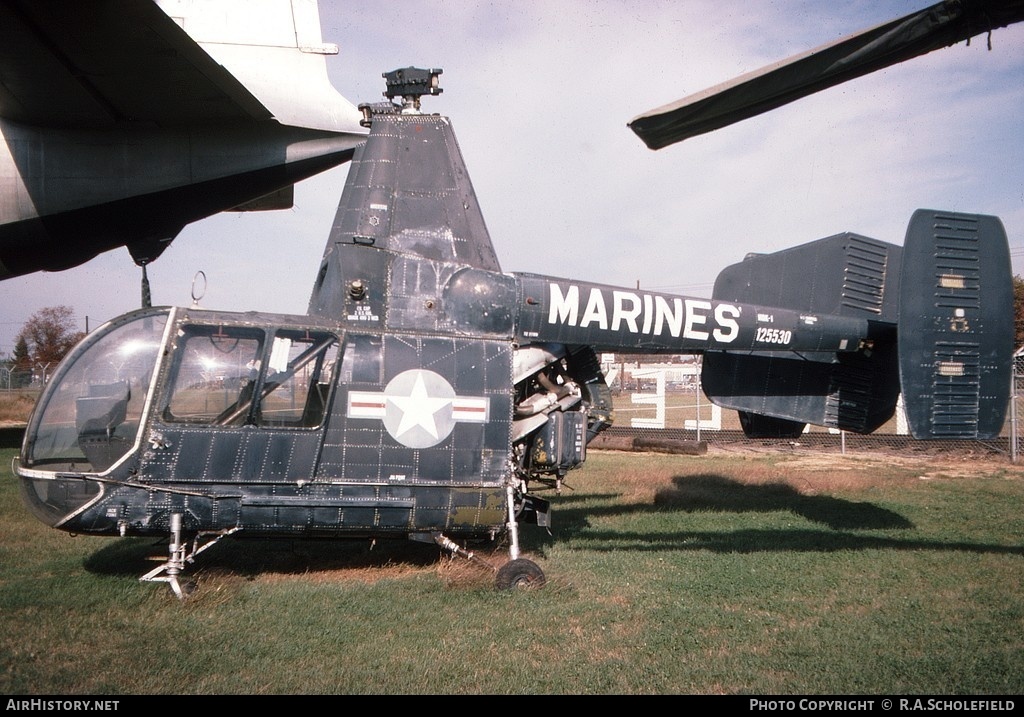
(757, 426)
(849, 391)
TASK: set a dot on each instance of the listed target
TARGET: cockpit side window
(215, 375)
(230, 376)
(299, 373)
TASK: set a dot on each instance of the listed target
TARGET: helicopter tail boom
(940, 332)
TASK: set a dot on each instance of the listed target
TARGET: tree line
(42, 342)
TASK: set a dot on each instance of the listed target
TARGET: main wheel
(519, 574)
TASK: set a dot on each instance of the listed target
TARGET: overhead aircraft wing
(109, 63)
(918, 33)
(122, 121)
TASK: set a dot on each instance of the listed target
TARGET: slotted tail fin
(778, 393)
(955, 325)
(940, 317)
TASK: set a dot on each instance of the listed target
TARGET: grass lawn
(730, 573)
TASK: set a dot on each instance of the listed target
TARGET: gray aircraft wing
(937, 26)
(122, 121)
(103, 64)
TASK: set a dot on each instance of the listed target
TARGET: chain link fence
(13, 380)
(665, 401)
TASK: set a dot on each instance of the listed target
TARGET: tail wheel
(519, 574)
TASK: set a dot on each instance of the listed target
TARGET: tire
(519, 575)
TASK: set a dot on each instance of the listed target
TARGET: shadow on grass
(707, 493)
(770, 541)
(714, 493)
(250, 557)
(718, 494)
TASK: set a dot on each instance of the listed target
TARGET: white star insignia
(418, 409)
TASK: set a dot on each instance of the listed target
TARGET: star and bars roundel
(419, 408)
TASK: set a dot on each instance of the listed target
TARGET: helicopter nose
(54, 500)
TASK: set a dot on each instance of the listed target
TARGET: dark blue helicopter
(427, 394)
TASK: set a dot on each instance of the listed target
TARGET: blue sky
(540, 92)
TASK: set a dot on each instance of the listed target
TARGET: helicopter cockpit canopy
(89, 415)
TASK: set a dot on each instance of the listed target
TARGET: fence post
(696, 395)
(1013, 410)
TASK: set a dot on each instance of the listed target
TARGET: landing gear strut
(179, 555)
(517, 573)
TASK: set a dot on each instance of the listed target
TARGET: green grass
(766, 574)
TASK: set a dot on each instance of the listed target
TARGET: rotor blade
(918, 33)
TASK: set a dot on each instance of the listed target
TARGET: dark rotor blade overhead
(918, 33)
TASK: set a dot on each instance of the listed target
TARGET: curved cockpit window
(90, 413)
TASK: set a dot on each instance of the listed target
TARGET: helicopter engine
(561, 403)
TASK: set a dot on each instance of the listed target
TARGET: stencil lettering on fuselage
(641, 313)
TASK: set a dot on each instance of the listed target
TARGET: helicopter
(428, 395)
